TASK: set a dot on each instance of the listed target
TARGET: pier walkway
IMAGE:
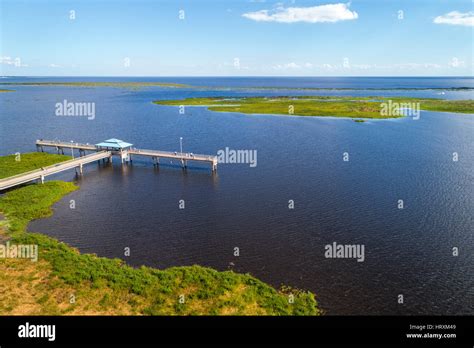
(104, 150)
(181, 156)
(125, 151)
(40, 174)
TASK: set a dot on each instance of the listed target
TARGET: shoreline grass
(102, 286)
(320, 106)
(12, 164)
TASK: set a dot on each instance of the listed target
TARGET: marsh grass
(356, 107)
(9, 165)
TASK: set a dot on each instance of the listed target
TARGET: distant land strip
(346, 88)
(181, 85)
(99, 84)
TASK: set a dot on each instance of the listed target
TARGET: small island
(354, 107)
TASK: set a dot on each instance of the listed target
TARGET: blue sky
(236, 38)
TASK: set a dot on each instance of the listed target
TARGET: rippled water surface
(407, 251)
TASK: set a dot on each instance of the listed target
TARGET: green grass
(109, 286)
(30, 202)
(13, 164)
(442, 105)
(6, 90)
(356, 107)
(206, 291)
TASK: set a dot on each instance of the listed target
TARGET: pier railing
(40, 174)
(125, 155)
(65, 144)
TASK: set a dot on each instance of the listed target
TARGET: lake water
(407, 251)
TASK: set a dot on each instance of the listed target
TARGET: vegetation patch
(357, 107)
(16, 164)
(21, 205)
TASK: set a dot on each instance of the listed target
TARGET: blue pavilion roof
(114, 143)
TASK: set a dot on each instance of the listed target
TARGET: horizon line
(246, 76)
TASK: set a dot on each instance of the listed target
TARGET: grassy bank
(13, 164)
(64, 281)
(30, 202)
(358, 107)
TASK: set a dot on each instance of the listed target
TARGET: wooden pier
(181, 156)
(61, 145)
(40, 174)
(105, 150)
(127, 152)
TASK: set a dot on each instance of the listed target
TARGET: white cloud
(10, 61)
(362, 66)
(411, 66)
(234, 65)
(456, 18)
(292, 66)
(316, 14)
(310, 66)
(6, 60)
(55, 66)
(456, 63)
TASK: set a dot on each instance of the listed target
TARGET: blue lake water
(407, 251)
